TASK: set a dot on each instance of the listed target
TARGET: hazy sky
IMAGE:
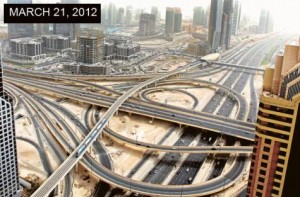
(286, 13)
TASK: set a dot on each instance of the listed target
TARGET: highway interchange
(214, 121)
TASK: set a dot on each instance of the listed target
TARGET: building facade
(275, 155)
(9, 179)
(147, 24)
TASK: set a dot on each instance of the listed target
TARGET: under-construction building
(275, 155)
(119, 48)
(26, 49)
(9, 179)
(88, 49)
(56, 43)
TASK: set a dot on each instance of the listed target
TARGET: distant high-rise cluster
(111, 15)
(19, 30)
(9, 179)
(265, 22)
(276, 149)
(173, 22)
(147, 24)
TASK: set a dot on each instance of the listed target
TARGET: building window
(263, 164)
(282, 153)
(265, 157)
(266, 149)
(279, 169)
(277, 176)
(260, 187)
(267, 141)
(281, 161)
(276, 184)
(262, 172)
(274, 191)
(260, 179)
(258, 194)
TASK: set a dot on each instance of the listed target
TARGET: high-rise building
(147, 24)
(88, 49)
(154, 10)
(128, 15)
(199, 16)
(236, 17)
(265, 22)
(19, 30)
(169, 24)
(226, 24)
(275, 155)
(121, 16)
(111, 14)
(177, 20)
(215, 25)
(173, 22)
(9, 179)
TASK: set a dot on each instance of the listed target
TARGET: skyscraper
(226, 24)
(275, 155)
(154, 10)
(173, 23)
(147, 24)
(121, 16)
(199, 16)
(236, 17)
(177, 20)
(215, 25)
(169, 24)
(128, 15)
(19, 30)
(265, 22)
(9, 179)
(111, 14)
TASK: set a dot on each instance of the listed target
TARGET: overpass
(76, 155)
(236, 66)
